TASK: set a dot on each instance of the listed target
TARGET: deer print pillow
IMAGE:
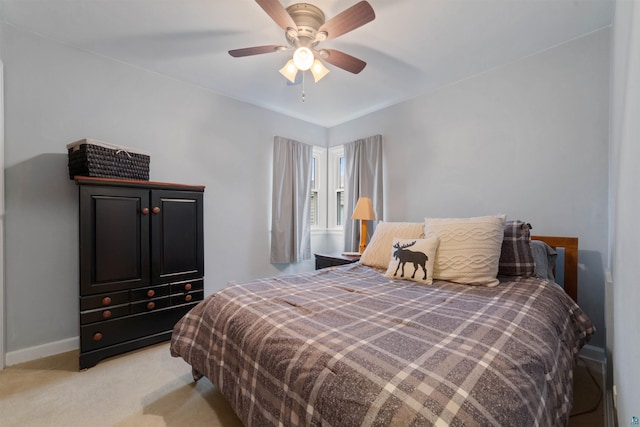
(412, 259)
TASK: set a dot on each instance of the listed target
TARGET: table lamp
(364, 212)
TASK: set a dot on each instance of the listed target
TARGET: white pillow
(376, 254)
(469, 249)
(412, 259)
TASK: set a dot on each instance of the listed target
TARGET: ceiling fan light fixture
(289, 71)
(318, 70)
(303, 58)
(304, 27)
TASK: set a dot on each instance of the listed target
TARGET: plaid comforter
(346, 346)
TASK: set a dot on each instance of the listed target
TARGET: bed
(352, 346)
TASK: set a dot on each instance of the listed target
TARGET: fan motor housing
(307, 17)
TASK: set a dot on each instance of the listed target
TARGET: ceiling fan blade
(256, 50)
(278, 13)
(348, 20)
(343, 60)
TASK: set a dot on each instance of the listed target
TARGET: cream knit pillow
(469, 249)
(378, 251)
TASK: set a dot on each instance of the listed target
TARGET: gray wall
(529, 139)
(623, 316)
(2, 316)
(56, 95)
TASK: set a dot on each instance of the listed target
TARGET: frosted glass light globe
(303, 58)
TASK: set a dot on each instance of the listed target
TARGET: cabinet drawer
(187, 286)
(104, 300)
(188, 297)
(142, 294)
(116, 331)
(149, 305)
(101, 314)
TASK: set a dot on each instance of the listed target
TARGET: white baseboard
(594, 353)
(40, 351)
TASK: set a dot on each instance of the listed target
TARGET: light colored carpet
(143, 388)
(149, 388)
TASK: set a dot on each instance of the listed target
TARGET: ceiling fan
(304, 25)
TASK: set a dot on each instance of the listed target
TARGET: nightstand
(333, 259)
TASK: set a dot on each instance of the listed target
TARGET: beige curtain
(363, 178)
(290, 206)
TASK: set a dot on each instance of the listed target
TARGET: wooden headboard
(570, 246)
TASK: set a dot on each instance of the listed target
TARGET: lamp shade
(364, 209)
(318, 70)
(289, 71)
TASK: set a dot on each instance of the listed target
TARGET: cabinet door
(177, 243)
(114, 239)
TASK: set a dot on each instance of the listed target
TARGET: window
(336, 194)
(318, 185)
(314, 193)
(327, 188)
(340, 192)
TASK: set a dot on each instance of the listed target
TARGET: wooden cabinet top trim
(89, 180)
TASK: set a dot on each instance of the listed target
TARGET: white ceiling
(412, 47)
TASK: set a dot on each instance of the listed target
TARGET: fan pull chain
(303, 73)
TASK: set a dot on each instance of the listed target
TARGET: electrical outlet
(608, 277)
(615, 397)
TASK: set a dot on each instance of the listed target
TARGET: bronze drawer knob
(145, 211)
(187, 287)
(106, 314)
(106, 300)
(151, 305)
(155, 210)
(97, 336)
(188, 298)
(151, 293)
